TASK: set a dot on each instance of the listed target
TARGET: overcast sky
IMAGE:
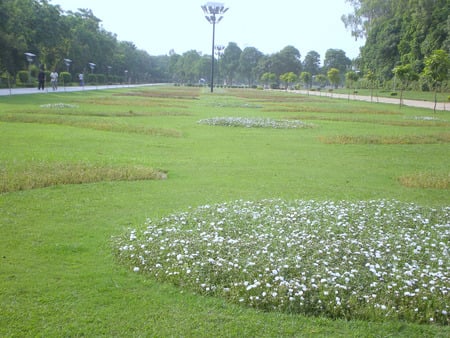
(159, 26)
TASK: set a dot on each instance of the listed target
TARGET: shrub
(92, 78)
(66, 77)
(101, 78)
(23, 76)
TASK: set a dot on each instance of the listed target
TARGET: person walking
(41, 79)
(54, 79)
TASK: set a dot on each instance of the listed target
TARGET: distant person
(54, 79)
(41, 79)
(81, 78)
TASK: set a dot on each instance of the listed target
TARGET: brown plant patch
(105, 125)
(327, 109)
(376, 139)
(402, 123)
(426, 180)
(41, 175)
(159, 103)
(178, 94)
(129, 113)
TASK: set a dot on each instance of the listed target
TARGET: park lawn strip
(59, 275)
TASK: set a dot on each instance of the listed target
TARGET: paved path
(49, 90)
(411, 103)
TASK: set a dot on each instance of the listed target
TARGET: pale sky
(159, 26)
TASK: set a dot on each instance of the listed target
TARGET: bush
(23, 76)
(101, 78)
(66, 77)
(92, 78)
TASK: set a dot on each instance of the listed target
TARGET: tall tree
(336, 58)
(230, 61)
(398, 32)
(285, 61)
(311, 63)
(248, 63)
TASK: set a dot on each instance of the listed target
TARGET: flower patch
(253, 122)
(357, 260)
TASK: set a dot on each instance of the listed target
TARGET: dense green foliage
(399, 32)
(52, 34)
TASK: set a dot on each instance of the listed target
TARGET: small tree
(306, 79)
(371, 77)
(322, 79)
(351, 77)
(268, 78)
(288, 78)
(406, 75)
(334, 77)
(437, 66)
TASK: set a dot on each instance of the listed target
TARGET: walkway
(412, 103)
(61, 89)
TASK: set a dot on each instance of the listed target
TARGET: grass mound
(43, 174)
(371, 260)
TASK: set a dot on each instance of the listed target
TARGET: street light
(219, 53)
(211, 9)
(92, 66)
(67, 62)
(30, 58)
(109, 69)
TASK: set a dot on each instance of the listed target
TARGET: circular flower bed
(360, 260)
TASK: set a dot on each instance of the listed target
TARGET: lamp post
(219, 53)
(212, 10)
(67, 62)
(30, 58)
(109, 69)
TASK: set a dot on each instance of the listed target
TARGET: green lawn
(58, 272)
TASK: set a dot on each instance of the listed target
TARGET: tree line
(398, 33)
(54, 35)
(400, 36)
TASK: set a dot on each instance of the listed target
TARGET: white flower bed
(254, 122)
(366, 260)
(58, 105)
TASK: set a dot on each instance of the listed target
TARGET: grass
(59, 275)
